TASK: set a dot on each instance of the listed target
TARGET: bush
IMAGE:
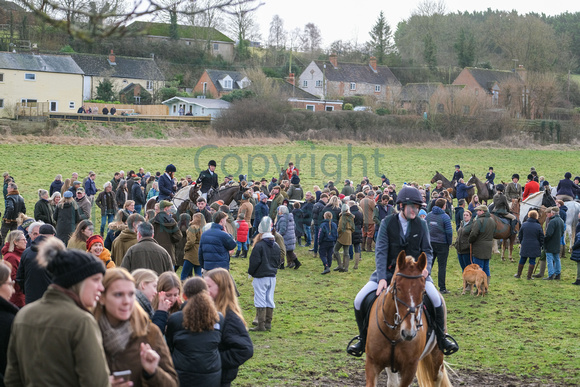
(347, 106)
(355, 100)
(382, 111)
(238, 95)
(67, 49)
(105, 91)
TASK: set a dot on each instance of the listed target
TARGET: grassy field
(525, 329)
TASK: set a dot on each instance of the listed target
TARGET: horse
(446, 183)
(538, 201)
(572, 220)
(227, 195)
(397, 338)
(181, 200)
(503, 232)
(482, 191)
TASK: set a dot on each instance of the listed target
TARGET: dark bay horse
(482, 191)
(397, 332)
(503, 231)
(446, 183)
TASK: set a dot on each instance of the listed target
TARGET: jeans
(484, 264)
(355, 248)
(242, 245)
(308, 235)
(108, 218)
(440, 253)
(138, 209)
(325, 252)
(554, 265)
(315, 247)
(188, 267)
(524, 259)
(463, 260)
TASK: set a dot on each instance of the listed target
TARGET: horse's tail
(429, 376)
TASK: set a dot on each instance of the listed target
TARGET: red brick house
(217, 83)
(300, 99)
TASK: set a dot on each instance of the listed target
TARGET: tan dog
(476, 278)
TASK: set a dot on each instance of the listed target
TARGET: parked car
(363, 109)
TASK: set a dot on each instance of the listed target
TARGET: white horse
(533, 202)
(571, 220)
(179, 197)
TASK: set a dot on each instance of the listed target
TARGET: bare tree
(110, 21)
(430, 8)
(278, 35)
(311, 38)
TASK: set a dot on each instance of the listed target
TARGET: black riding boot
(357, 349)
(514, 225)
(447, 346)
(244, 253)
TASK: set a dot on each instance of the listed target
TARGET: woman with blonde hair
(129, 207)
(82, 233)
(65, 186)
(236, 346)
(193, 336)
(334, 206)
(54, 200)
(146, 283)
(191, 258)
(169, 286)
(12, 252)
(130, 340)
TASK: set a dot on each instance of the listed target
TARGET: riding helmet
(515, 176)
(568, 175)
(409, 195)
(170, 168)
(500, 187)
(212, 163)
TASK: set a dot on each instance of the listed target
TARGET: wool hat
(94, 239)
(27, 223)
(215, 206)
(295, 179)
(481, 207)
(422, 212)
(164, 204)
(77, 182)
(262, 196)
(67, 194)
(47, 229)
(265, 225)
(344, 208)
(69, 267)
(341, 196)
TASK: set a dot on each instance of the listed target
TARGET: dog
(476, 278)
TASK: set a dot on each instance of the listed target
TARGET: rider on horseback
(166, 184)
(501, 207)
(208, 179)
(397, 232)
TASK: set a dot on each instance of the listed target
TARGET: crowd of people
(116, 294)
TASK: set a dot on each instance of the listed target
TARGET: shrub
(67, 49)
(356, 100)
(382, 111)
(347, 106)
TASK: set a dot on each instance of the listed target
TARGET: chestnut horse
(397, 332)
(482, 191)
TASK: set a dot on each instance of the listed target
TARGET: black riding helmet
(212, 163)
(170, 168)
(515, 176)
(500, 187)
(409, 195)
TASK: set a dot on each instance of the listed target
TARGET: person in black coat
(307, 208)
(193, 337)
(56, 185)
(33, 278)
(357, 233)
(575, 256)
(7, 312)
(138, 195)
(531, 238)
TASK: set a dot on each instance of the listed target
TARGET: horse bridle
(397, 320)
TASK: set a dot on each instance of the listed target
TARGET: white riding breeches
(372, 286)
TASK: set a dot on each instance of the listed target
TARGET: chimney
(333, 60)
(373, 63)
(291, 79)
(112, 58)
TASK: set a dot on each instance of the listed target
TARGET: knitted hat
(262, 196)
(69, 267)
(341, 196)
(265, 225)
(422, 212)
(94, 239)
(67, 194)
(295, 179)
(27, 223)
(164, 204)
(344, 208)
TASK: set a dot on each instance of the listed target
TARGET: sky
(350, 20)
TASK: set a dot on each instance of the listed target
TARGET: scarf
(115, 340)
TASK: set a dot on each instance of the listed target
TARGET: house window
(318, 83)
(53, 106)
(174, 108)
(353, 86)
(125, 81)
(1, 77)
(465, 109)
(137, 100)
(188, 43)
(202, 110)
(377, 88)
(1, 103)
(28, 102)
(29, 77)
(204, 88)
(310, 107)
(149, 85)
(216, 47)
(71, 105)
(329, 108)
(227, 84)
(304, 83)
(440, 108)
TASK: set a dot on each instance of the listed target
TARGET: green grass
(522, 328)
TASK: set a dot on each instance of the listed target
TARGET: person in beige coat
(191, 257)
(345, 230)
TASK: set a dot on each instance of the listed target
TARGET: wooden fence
(129, 118)
(32, 110)
(147, 110)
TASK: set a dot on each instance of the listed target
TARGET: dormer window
(228, 84)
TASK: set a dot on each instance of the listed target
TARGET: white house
(196, 106)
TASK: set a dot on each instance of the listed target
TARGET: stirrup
(351, 351)
(448, 352)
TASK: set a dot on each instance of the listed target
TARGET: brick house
(331, 79)
(301, 99)
(217, 83)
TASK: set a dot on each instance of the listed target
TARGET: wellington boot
(562, 251)
(268, 321)
(530, 271)
(364, 244)
(345, 261)
(542, 270)
(519, 273)
(370, 245)
(237, 254)
(261, 313)
(446, 343)
(244, 254)
(356, 260)
(255, 322)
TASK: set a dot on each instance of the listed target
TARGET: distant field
(527, 330)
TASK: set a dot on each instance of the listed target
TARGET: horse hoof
(503, 259)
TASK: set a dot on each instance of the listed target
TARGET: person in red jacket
(291, 170)
(242, 236)
(531, 187)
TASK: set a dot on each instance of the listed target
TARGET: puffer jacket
(14, 205)
(440, 229)
(575, 256)
(358, 225)
(214, 248)
(264, 259)
(531, 238)
(285, 226)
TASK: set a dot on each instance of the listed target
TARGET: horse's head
(548, 200)
(407, 288)
(436, 177)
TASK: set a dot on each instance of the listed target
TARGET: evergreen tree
(430, 52)
(105, 91)
(381, 36)
(173, 32)
(465, 48)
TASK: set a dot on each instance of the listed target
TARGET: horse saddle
(504, 220)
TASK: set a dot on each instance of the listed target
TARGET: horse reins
(397, 320)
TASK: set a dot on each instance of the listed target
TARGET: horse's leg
(494, 247)
(372, 371)
(512, 239)
(394, 379)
